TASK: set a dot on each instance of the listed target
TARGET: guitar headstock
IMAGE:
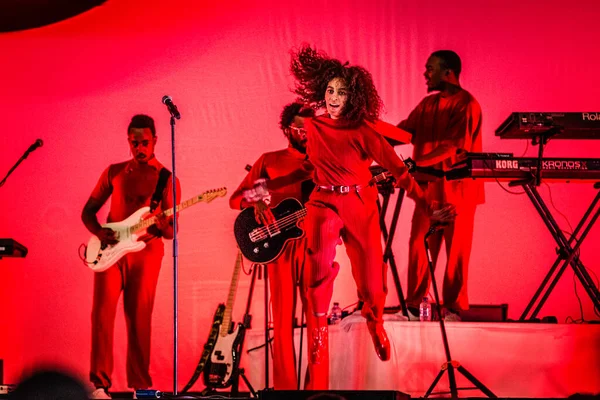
(212, 194)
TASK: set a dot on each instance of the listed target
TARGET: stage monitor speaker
(485, 313)
(343, 394)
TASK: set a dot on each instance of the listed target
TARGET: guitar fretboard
(206, 196)
(231, 296)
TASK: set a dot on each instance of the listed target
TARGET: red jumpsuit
(342, 156)
(453, 123)
(130, 185)
(286, 271)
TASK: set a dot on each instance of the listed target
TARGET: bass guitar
(209, 346)
(100, 256)
(261, 243)
(225, 357)
(264, 243)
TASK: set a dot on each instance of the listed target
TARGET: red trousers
(285, 279)
(353, 216)
(458, 237)
(136, 275)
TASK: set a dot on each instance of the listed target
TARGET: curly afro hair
(293, 110)
(313, 70)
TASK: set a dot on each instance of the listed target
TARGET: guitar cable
(82, 256)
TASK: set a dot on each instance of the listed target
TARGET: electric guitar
(100, 256)
(262, 244)
(225, 357)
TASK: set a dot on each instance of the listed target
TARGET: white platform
(511, 359)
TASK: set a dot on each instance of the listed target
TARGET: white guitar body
(224, 359)
(100, 259)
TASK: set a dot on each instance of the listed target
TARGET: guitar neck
(231, 297)
(143, 224)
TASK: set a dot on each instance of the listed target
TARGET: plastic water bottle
(336, 314)
(425, 310)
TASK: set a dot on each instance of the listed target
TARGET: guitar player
(286, 270)
(130, 185)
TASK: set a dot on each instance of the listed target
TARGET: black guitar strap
(160, 187)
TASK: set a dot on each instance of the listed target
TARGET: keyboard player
(444, 125)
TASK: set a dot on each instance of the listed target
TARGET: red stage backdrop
(75, 85)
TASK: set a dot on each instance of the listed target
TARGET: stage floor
(511, 359)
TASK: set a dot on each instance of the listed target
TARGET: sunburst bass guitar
(100, 256)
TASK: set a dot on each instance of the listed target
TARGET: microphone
(38, 143)
(171, 107)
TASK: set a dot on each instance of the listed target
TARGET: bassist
(285, 271)
(130, 186)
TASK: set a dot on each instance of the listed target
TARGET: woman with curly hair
(341, 145)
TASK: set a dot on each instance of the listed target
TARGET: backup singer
(130, 186)
(445, 126)
(285, 273)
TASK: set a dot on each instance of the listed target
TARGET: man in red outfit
(445, 126)
(130, 185)
(285, 273)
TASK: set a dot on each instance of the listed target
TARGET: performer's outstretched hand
(444, 215)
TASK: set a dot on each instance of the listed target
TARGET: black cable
(347, 307)
(244, 268)
(577, 254)
(526, 148)
(490, 167)
(556, 209)
(82, 257)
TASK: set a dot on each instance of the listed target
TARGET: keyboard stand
(386, 190)
(567, 252)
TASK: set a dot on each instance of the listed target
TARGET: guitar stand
(257, 272)
(450, 365)
(567, 253)
(234, 387)
(386, 190)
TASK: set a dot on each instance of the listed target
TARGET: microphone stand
(450, 365)
(175, 257)
(19, 161)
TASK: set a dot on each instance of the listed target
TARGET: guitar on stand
(222, 352)
(225, 357)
